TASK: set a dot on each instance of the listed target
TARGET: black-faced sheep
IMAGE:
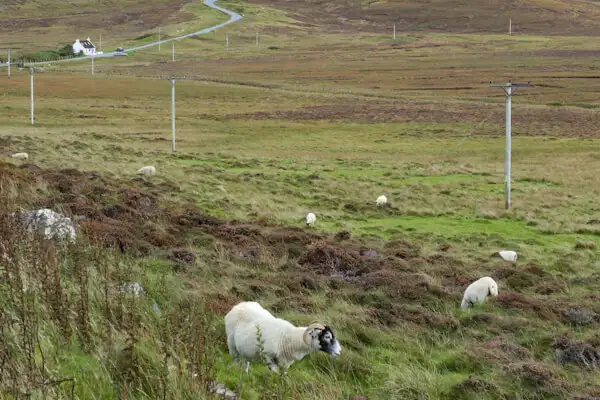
(477, 291)
(282, 342)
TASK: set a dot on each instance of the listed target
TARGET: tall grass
(69, 331)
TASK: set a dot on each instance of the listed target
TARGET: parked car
(120, 52)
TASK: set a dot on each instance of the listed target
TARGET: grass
(324, 123)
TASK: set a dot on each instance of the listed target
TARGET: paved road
(233, 17)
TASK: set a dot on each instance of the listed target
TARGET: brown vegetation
(551, 18)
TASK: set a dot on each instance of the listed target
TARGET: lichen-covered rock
(50, 224)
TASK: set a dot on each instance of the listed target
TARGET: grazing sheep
(508, 255)
(310, 219)
(283, 343)
(20, 156)
(477, 292)
(147, 170)
(49, 223)
(381, 200)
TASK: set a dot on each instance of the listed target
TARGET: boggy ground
(394, 304)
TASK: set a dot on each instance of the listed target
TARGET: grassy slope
(316, 138)
(49, 25)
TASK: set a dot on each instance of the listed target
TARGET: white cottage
(86, 46)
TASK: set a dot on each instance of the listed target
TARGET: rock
(577, 352)
(221, 390)
(50, 224)
(579, 316)
(369, 254)
(133, 287)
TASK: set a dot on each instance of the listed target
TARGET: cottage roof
(87, 44)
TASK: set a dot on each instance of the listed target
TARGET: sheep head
(493, 289)
(321, 338)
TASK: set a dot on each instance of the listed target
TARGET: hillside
(539, 17)
(310, 119)
(27, 25)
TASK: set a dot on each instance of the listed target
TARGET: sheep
(310, 219)
(20, 156)
(508, 255)
(477, 292)
(147, 170)
(282, 342)
(50, 224)
(381, 200)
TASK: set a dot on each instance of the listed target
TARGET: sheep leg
(271, 363)
(235, 355)
(273, 367)
(286, 366)
(244, 364)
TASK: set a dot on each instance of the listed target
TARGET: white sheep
(49, 223)
(20, 156)
(477, 291)
(508, 255)
(381, 200)
(147, 170)
(310, 219)
(282, 342)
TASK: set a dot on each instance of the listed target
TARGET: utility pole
(256, 38)
(394, 31)
(173, 110)
(510, 26)
(92, 64)
(8, 63)
(100, 42)
(31, 70)
(173, 79)
(226, 41)
(508, 90)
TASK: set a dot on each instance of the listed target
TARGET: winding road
(233, 17)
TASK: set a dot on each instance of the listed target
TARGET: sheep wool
(281, 343)
(20, 156)
(147, 170)
(310, 219)
(477, 292)
(381, 200)
(508, 255)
